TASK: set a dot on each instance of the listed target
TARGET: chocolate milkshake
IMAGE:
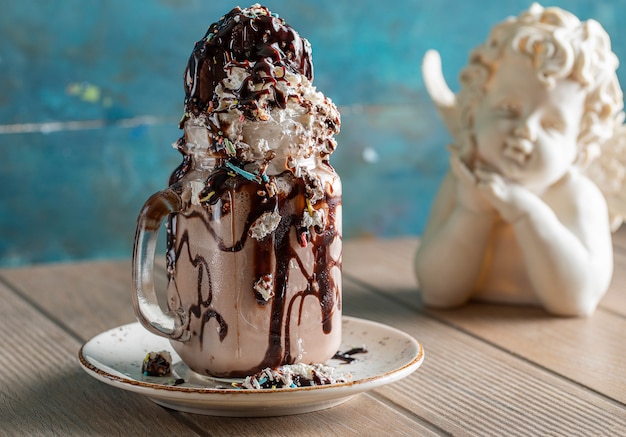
(254, 224)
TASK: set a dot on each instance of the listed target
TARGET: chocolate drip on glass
(273, 255)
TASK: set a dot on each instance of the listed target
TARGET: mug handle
(170, 324)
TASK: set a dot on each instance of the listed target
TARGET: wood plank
(619, 239)
(44, 391)
(363, 415)
(89, 298)
(86, 298)
(466, 384)
(588, 350)
(615, 298)
(390, 260)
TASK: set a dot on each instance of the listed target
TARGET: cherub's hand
(511, 200)
(469, 196)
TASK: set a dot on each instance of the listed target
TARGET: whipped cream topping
(250, 96)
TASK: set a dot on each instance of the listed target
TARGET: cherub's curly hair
(560, 47)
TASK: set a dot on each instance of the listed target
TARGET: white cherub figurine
(518, 218)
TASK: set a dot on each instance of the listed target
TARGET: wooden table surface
(489, 370)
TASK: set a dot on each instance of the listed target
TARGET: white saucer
(115, 357)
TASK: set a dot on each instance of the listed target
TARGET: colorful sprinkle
(303, 240)
(207, 197)
(230, 146)
(242, 172)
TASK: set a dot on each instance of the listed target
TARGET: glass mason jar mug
(253, 261)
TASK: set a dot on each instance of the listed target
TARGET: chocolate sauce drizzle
(254, 39)
(202, 308)
(347, 357)
(272, 254)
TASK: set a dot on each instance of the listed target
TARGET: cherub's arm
(565, 240)
(451, 254)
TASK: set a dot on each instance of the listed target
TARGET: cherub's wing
(440, 93)
(608, 171)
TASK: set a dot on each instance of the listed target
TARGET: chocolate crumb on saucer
(290, 376)
(157, 364)
(347, 357)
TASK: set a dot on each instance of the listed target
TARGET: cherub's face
(524, 130)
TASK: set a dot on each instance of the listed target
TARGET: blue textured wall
(91, 93)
